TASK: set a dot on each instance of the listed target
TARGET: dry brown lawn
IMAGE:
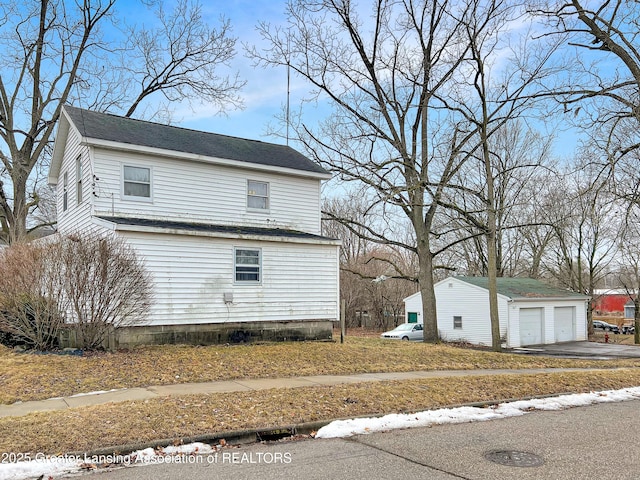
(25, 376)
(85, 429)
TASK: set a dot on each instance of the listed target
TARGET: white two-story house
(229, 228)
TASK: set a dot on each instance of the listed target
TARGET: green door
(412, 317)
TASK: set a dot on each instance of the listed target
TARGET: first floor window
(247, 265)
(457, 322)
(137, 181)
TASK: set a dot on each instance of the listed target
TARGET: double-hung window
(248, 264)
(257, 195)
(65, 194)
(79, 179)
(457, 322)
(136, 182)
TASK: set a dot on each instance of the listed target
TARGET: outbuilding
(531, 312)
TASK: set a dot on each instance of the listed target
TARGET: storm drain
(513, 458)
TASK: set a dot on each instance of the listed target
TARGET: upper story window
(136, 182)
(257, 195)
(79, 179)
(247, 265)
(65, 194)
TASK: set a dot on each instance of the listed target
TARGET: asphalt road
(594, 442)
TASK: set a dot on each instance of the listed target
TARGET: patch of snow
(36, 468)
(189, 449)
(68, 464)
(360, 426)
(65, 464)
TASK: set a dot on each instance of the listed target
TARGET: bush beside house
(86, 286)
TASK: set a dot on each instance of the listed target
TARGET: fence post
(343, 327)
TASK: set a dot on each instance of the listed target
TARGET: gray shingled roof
(521, 288)
(206, 227)
(104, 126)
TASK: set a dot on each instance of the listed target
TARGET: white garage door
(530, 326)
(564, 324)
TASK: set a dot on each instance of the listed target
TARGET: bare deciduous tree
(605, 92)
(58, 52)
(181, 58)
(521, 167)
(586, 223)
(389, 78)
(373, 278)
(629, 276)
(489, 102)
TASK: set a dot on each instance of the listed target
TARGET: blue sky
(265, 93)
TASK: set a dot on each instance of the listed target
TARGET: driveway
(583, 349)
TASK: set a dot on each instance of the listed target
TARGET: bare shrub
(93, 284)
(105, 284)
(31, 297)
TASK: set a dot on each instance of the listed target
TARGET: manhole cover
(513, 458)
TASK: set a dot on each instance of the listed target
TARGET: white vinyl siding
(76, 217)
(459, 299)
(192, 191)
(257, 195)
(193, 276)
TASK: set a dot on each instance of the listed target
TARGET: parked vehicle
(626, 329)
(607, 327)
(406, 331)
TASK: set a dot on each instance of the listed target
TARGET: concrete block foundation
(213, 333)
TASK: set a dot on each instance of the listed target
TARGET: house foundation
(212, 333)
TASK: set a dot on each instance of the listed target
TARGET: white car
(406, 331)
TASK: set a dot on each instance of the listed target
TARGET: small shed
(530, 312)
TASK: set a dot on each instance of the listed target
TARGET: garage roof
(522, 288)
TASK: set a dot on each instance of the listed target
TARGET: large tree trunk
(425, 280)
(18, 224)
(494, 316)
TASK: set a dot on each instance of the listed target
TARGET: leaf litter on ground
(25, 377)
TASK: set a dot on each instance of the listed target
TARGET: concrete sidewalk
(144, 393)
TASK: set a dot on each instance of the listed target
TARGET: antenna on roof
(288, 80)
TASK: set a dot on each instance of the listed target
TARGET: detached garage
(530, 312)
